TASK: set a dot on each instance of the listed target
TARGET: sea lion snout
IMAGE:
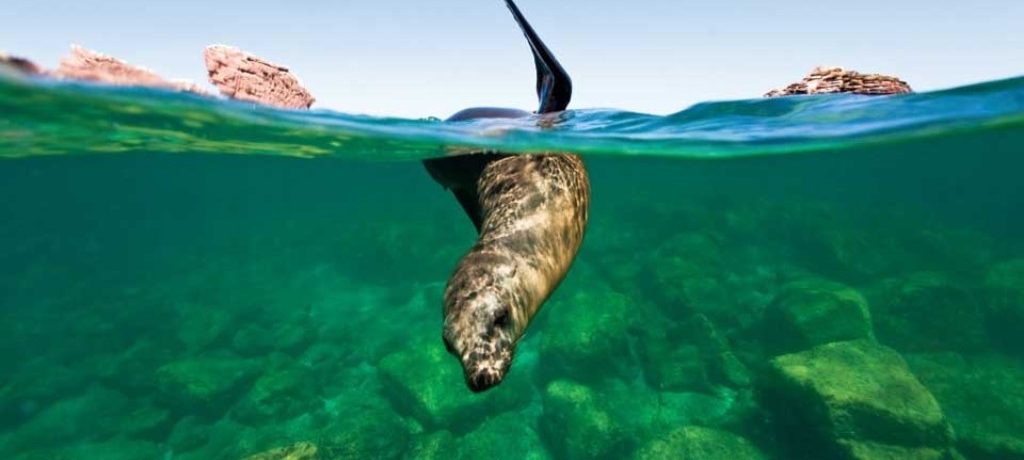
(483, 341)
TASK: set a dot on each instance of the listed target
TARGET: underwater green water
(162, 299)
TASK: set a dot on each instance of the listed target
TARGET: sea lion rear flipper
(554, 87)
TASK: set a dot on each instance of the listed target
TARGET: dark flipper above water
(554, 87)
(530, 211)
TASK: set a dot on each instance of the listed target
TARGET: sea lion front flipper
(470, 201)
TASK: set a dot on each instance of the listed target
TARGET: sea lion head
(480, 330)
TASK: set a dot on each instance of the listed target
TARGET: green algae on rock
(700, 443)
(929, 311)
(297, 451)
(419, 381)
(1004, 286)
(279, 394)
(576, 425)
(438, 445)
(830, 396)
(206, 384)
(983, 397)
(813, 312)
(586, 337)
(508, 435)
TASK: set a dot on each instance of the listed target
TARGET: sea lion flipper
(470, 202)
(554, 87)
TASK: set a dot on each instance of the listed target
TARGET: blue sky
(421, 58)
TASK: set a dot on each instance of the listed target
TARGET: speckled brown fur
(534, 213)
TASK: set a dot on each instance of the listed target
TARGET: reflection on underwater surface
(862, 303)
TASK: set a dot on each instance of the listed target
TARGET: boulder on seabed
(812, 312)
(205, 384)
(509, 433)
(689, 356)
(586, 337)
(281, 393)
(831, 400)
(438, 445)
(425, 382)
(983, 397)
(699, 443)
(575, 424)
(928, 312)
(1004, 287)
(297, 451)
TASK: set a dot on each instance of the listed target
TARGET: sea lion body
(530, 212)
(534, 211)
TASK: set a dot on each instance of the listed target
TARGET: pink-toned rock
(824, 80)
(85, 64)
(20, 64)
(240, 75)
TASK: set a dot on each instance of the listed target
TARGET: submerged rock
(928, 311)
(507, 433)
(699, 443)
(205, 385)
(835, 397)
(96, 415)
(689, 356)
(201, 326)
(240, 75)
(575, 424)
(823, 80)
(813, 312)
(112, 449)
(370, 431)
(438, 445)
(257, 340)
(133, 371)
(425, 382)
(1004, 287)
(297, 451)
(983, 397)
(874, 451)
(586, 337)
(279, 394)
(37, 384)
(189, 434)
(688, 277)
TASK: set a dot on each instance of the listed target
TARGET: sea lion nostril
(482, 381)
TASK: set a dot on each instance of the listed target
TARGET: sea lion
(530, 212)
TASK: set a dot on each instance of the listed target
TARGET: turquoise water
(809, 277)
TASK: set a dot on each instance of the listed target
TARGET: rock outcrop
(240, 75)
(89, 65)
(853, 400)
(823, 80)
(297, 451)
(812, 312)
(699, 443)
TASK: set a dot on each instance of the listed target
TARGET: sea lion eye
(501, 319)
